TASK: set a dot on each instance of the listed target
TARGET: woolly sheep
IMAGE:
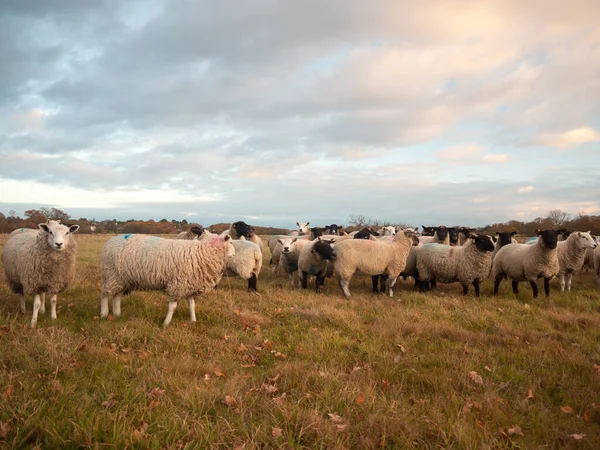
(467, 264)
(302, 229)
(365, 233)
(387, 231)
(440, 236)
(454, 236)
(588, 259)
(503, 238)
(334, 229)
(522, 262)
(40, 262)
(315, 258)
(371, 258)
(410, 270)
(427, 231)
(571, 253)
(246, 263)
(180, 268)
(240, 228)
(290, 253)
(194, 233)
(464, 233)
(597, 264)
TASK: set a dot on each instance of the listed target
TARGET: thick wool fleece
(247, 260)
(526, 262)
(32, 267)
(181, 268)
(571, 256)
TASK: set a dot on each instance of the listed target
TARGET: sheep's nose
(58, 244)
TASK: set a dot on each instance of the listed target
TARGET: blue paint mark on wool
(127, 236)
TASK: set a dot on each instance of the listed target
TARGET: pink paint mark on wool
(215, 242)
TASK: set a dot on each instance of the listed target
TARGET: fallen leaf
(566, 409)
(236, 311)
(247, 366)
(269, 388)
(243, 348)
(240, 447)
(206, 377)
(4, 429)
(530, 394)
(125, 350)
(8, 393)
(577, 437)
(81, 347)
(475, 378)
(276, 432)
(487, 368)
(268, 344)
(153, 404)
(230, 401)
(335, 418)
(280, 400)
(477, 406)
(341, 428)
(401, 347)
(355, 369)
(385, 384)
(155, 393)
(515, 429)
(467, 407)
(360, 398)
(275, 378)
(219, 374)
(396, 359)
(143, 355)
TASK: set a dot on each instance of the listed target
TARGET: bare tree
(358, 220)
(558, 217)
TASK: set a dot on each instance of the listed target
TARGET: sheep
(365, 233)
(427, 231)
(597, 264)
(503, 238)
(464, 233)
(454, 236)
(194, 233)
(571, 253)
(467, 264)
(290, 253)
(522, 262)
(315, 258)
(588, 259)
(40, 262)
(440, 236)
(371, 258)
(238, 229)
(387, 231)
(563, 234)
(333, 229)
(181, 268)
(410, 270)
(246, 263)
(302, 229)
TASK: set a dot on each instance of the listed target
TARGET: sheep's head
(454, 234)
(388, 231)
(229, 248)
(483, 242)
(317, 231)
(584, 240)
(243, 229)
(441, 232)
(549, 238)
(427, 231)
(325, 249)
(335, 229)
(58, 236)
(197, 231)
(303, 227)
(287, 244)
(505, 237)
(365, 233)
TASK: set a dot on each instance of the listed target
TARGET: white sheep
(371, 258)
(387, 231)
(181, 268)
(315, 259)
(246, 263)
(588, 259)
(467, 264)
(40, 262)
(194, 233)
(302, 229)
(571, 254)
(523, 262)
(290, 253)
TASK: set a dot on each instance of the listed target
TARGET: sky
(439, 112)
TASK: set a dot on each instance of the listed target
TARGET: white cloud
(570, 139)
(459, 152)
(525, 189)
(495, 159)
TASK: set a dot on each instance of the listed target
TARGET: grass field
(293, 369)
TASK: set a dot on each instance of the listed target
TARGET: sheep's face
(365, 233)
(325, 249)
(453, 232)
(334, 229)
(229, 248)
(427, 231)
(563, 234)
(317, 231)
(442, 232)
(483, 242)
(549, 238)
(585, 240)
(466, 231)
(243, 229)
(287, 245)
(197, 231)
(388, 231)
(505, 237)
(57, 235)
(303, 227)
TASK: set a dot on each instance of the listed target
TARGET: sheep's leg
(252, 282)
(104, 306)
(562, 282)
(546, 286)
(515, 286)
(172, 306)
(375, 283)
(304, 280)
(383, 283)
(344, 285)
(433, 284)
(117, 306)
(23, 306)
(192, 306)
(465, 289)
(423, 285)
(392, 281)
(569, 278)
(476, 287)
(37, 302)
(534, 287)
(52, 306)
(320, 281)
(497, 281)
(43, 304)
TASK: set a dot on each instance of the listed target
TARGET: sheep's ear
(44, 227)
(374, 233)
(294, 240)
(497, 233)
(332, 240)
(280, 241)
(73, 228)
(319, 238)
(226, 238)
(538, 231)
(297, 224)
(514, 233)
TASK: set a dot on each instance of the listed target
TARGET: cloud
(525, 189)
(570, 139)
(459, 153)
(495, 159)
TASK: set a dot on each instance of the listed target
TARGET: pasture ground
(293, 369)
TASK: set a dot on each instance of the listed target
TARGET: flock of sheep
(40, 262)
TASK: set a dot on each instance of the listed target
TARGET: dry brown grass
(294, 369)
